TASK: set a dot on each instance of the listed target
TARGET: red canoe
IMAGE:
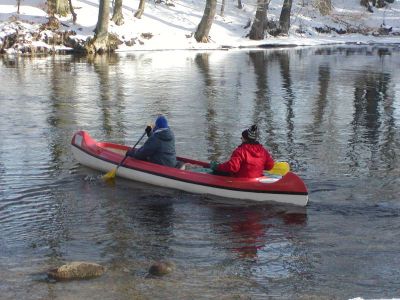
(105, 156)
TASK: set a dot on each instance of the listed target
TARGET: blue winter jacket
(159, 148)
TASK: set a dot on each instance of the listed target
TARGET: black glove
(148, 130)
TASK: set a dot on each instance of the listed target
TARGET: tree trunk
(258, 28)
(118, 17)
(240, 5)
(367, 5)
(284, 19)
(222, 8)
(71, 8)
(140, 11)
(324, 6)
(51, 7)
(63, 7)
(380, 3)
(60, 7)
(99, 44)
(203, 29)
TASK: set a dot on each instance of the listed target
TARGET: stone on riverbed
(161, 268)
(77, 270)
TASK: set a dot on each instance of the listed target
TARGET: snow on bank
(170, 27)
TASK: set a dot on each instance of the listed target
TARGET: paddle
(113, 172)
(279, 168)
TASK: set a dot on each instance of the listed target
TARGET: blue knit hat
(161, 122)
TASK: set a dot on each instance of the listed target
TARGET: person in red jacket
(248, 160)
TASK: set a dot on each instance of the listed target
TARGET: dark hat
(161, 122)
(250, 134)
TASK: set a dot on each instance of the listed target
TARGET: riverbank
(171, 25)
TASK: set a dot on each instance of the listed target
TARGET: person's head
(161, 122)
(250, 135)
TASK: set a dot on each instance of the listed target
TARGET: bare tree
(59, 7)
(367, 5)
(140, 11)
(324, 6)
(380, 3)
(222, 8)
(259, 24)
(203, 29)
(284, 19)
(100, 41)
(118, 17)
(71, 8)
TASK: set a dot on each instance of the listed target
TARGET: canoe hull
(93, 155)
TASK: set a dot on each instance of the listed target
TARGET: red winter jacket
(248, 160)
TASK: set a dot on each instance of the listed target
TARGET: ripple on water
(25, 208)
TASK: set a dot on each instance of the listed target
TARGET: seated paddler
(159, 148)
(248, 160)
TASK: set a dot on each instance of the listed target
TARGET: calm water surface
(333, 113)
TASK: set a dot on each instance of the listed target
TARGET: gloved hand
(148, 130)
(130, 152)
(213, 165)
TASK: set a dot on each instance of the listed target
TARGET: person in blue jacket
(160, 145)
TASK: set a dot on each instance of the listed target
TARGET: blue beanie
(161, 122)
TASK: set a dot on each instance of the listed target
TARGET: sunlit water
(333, 113)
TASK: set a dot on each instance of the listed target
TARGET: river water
(333, 113)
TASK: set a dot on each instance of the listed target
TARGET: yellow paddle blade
(280, 168)
(110, 175)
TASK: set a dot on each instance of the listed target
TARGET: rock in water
(161, 268)
(77, 270)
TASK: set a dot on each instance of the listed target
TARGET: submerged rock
(161, 268)
(77, 270)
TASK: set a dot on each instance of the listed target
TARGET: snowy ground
(172, 27)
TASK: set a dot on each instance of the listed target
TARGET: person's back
(248, 160)
(252, 160)
(160, 146)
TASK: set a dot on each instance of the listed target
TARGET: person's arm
(233, 164)
(269, 162)
(148, 148)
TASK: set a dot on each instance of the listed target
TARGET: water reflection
(290, 99)
(262, 102)
(370, 97)
(111, 96)
(266, 239)
(210, 92)
(250, 234)
(157, 220)
(62, 114)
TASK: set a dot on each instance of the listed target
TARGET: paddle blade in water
(280, 168)
(110, 175)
